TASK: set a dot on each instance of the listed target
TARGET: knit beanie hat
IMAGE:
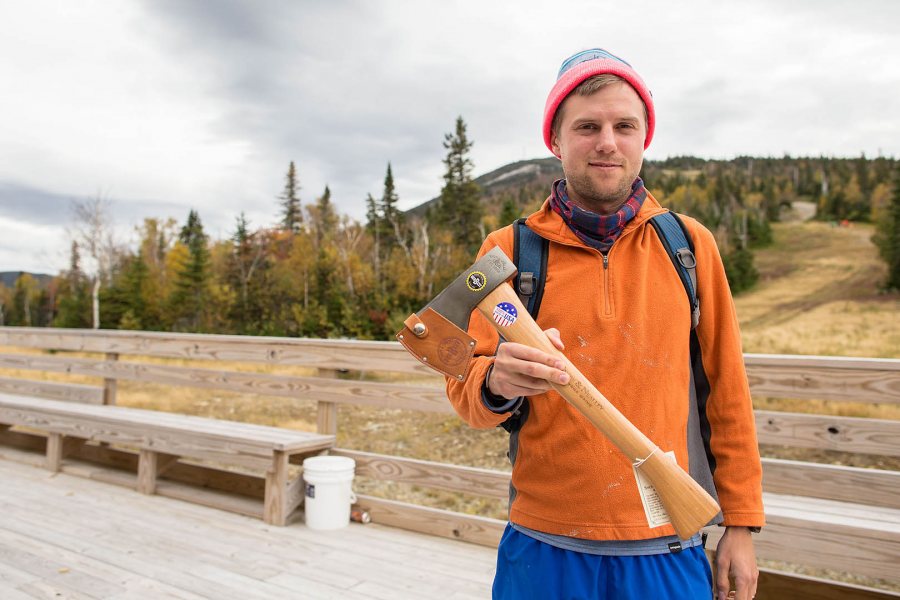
(584, 65)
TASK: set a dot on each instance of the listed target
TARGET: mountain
(525, 181)
(8, 278)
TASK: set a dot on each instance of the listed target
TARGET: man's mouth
(604, 164)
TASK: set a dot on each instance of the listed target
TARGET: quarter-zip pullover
(626, 324)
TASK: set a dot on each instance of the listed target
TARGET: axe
(436, 335)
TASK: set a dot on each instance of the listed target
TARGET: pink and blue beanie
(588, 63)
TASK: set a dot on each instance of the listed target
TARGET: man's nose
(606, 141)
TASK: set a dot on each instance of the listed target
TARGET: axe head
(436, 335)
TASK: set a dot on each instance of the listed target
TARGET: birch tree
(92, 229)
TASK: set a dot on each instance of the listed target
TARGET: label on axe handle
(653, 506)
(444, 347)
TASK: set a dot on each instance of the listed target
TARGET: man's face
(601, 144)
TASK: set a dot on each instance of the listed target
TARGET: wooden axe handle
(689, 506)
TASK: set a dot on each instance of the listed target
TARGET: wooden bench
(160, 440)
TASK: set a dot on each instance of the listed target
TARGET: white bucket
(328, 491)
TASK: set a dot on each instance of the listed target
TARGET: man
(612, 298)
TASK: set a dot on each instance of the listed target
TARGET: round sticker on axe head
(505, 314)
(476, 280)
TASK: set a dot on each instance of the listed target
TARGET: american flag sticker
(505, 314)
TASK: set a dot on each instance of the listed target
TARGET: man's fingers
(553, 334)
(527, 353)
(521, 370)
(722, 583)
(535, 375)
(530, 361)
(744, 587)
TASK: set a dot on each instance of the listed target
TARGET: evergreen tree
(374, 219)
(245, 267)
(74, 306)
(291, 211)
(191, 284)
(887, 236)
(133, 287)
(394, 221)
(459, 209)
(739, 270)
(509, 212)
(325, 217)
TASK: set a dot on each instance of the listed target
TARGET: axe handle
(689, 506)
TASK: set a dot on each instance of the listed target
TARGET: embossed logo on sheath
(452, 351)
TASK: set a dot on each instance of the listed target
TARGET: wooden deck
(69, 537)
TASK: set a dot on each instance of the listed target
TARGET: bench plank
(249, 434)
(72, 392)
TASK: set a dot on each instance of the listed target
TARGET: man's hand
(521, 370)
(735, 557)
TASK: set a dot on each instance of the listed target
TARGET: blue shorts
(528, 568)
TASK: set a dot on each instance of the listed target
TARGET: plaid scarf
(597, 231)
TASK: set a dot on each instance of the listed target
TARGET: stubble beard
(584, 193)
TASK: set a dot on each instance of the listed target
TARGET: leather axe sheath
(436, 335)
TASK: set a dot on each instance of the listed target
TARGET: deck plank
(87, 539)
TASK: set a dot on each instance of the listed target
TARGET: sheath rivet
(419, 329)
(472, 344)
(424, 359)
(460, 377)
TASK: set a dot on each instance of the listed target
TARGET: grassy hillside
(819, 294)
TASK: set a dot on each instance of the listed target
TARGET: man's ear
(554, 144)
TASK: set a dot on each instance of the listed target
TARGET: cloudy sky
(166, 105)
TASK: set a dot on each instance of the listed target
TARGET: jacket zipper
(607, 305)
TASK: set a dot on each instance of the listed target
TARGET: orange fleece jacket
(627, 328)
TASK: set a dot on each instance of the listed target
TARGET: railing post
(326, 418)
(109, 383)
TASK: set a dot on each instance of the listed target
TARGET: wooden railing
(111, 356)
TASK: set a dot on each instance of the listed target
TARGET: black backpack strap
(678, 244)
(530, 257)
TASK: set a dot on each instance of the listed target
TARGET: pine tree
(291, 211)
(393, 220)
(247, 261)
(189, 297)
(74, 306)
(887, 236)
(459, 208)
(509, 212)
(325, 218)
